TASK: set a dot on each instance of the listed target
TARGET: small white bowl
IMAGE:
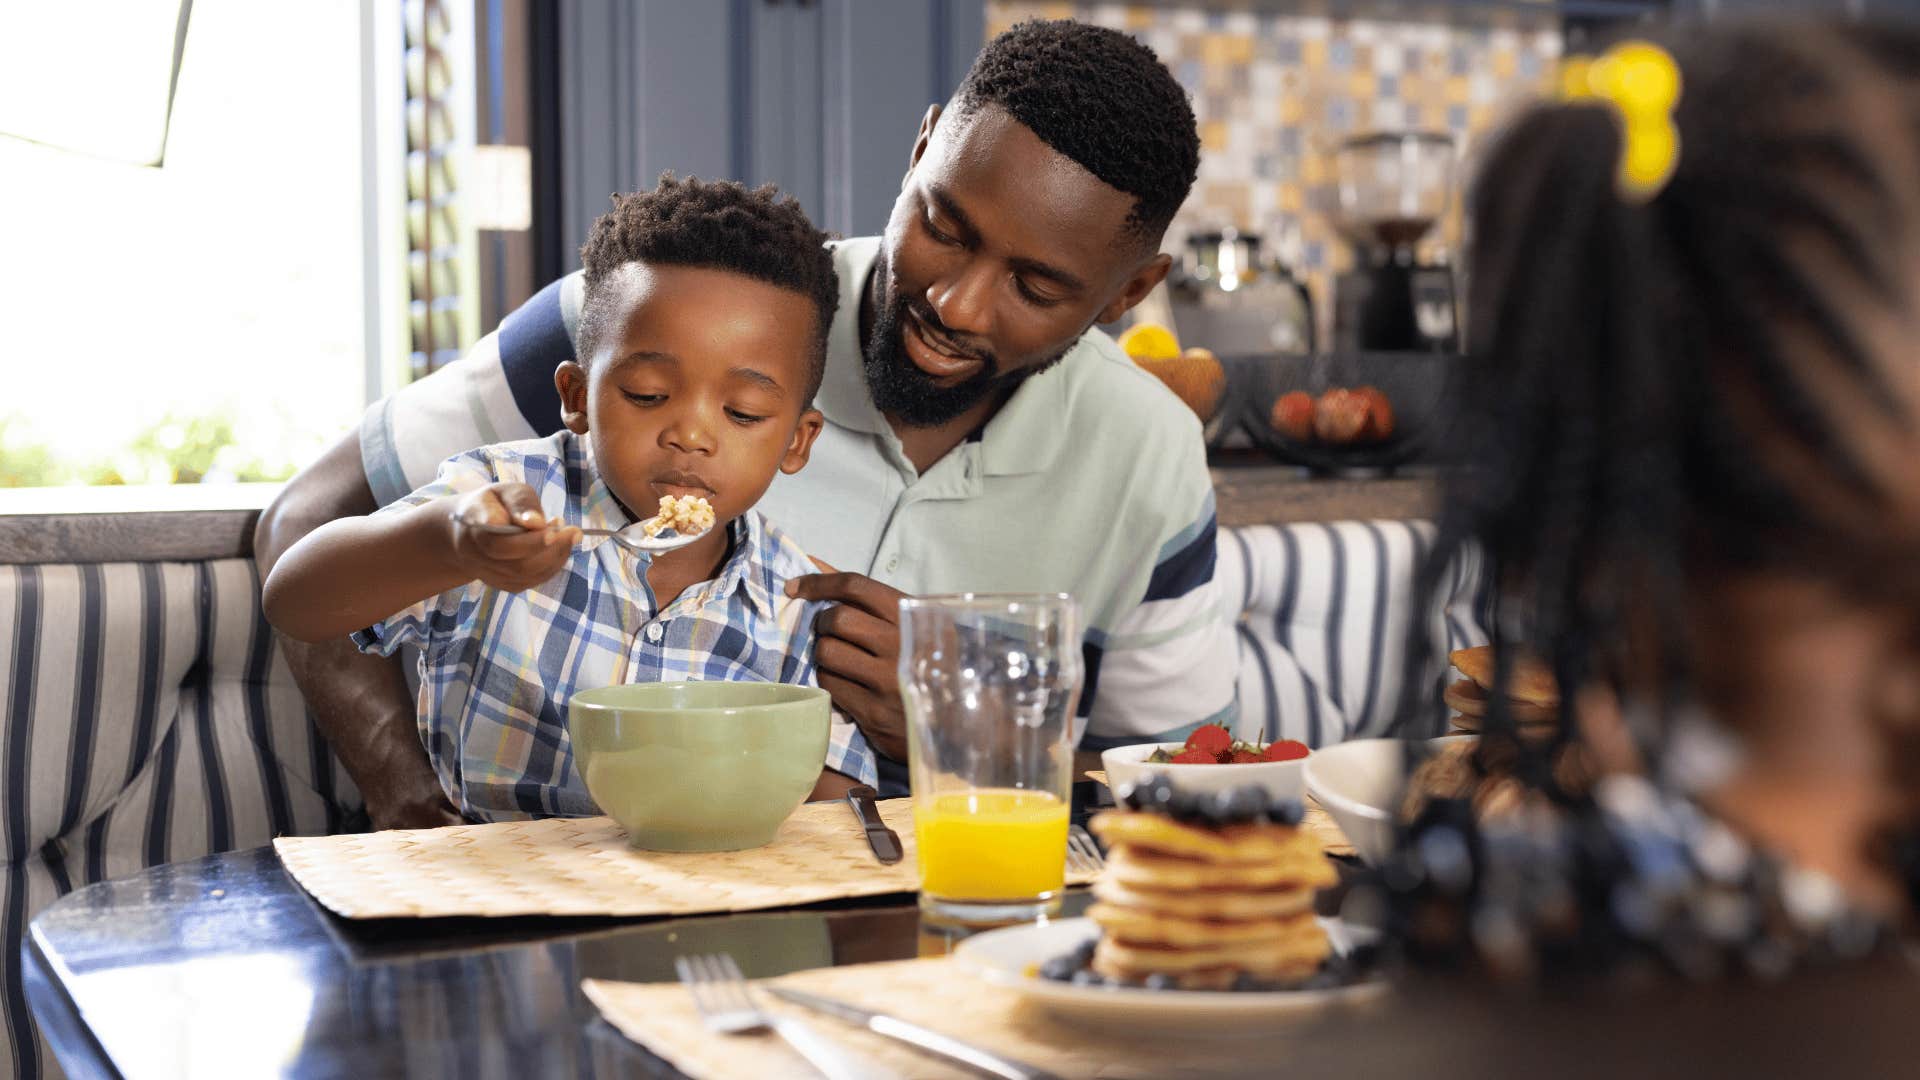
(1359, 783)
(1282, 779)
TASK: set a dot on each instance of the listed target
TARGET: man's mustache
(944, 339)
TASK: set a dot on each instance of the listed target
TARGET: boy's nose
(688, 435)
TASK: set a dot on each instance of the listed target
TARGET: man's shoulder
(1116, 403)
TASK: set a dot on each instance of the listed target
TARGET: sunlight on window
(201, 321)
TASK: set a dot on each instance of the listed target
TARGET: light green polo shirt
(1091, 477)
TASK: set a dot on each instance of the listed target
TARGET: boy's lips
(678, 483)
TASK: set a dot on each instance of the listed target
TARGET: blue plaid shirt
(497, 668)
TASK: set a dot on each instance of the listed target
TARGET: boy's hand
(857, 649)
(510, 563)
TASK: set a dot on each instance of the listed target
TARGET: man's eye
(744, 418)
(939, 236)
(644, 399)
(1033, 296)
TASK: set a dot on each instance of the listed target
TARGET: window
(207, 319)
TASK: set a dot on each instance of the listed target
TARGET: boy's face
(695, 388)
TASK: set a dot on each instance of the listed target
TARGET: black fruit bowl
(1416, 385)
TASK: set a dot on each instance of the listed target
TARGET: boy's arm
(831, 785)
(353, 572)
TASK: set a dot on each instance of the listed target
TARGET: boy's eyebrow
(1031, 266)
(641, 357)
(760, 378)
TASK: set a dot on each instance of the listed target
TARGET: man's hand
(509, 563)
(857, 649)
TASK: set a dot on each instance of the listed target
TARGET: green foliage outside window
(173, 450)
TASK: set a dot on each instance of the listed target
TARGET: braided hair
(1718, 380)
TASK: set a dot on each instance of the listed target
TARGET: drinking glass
(990, 683)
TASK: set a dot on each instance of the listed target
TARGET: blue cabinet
(819, 96)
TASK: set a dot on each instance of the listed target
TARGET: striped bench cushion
(1323, 611)
(149, 718)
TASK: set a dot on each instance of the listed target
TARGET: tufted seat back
(148, 718)
(1322, 611)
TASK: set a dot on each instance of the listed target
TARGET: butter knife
(885, 843)
(932, 1042)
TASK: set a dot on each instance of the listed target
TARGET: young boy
(703, 338)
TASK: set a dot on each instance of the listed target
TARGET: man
(980, 435)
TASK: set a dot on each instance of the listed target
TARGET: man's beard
(905, 393)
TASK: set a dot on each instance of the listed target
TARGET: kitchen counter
(1283, 495)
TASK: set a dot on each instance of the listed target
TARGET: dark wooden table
(222, 967)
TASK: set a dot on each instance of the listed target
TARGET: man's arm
(360, 703)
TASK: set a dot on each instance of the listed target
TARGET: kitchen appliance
(1228, 296)
(1393, 188)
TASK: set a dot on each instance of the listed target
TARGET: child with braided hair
(1693, 443)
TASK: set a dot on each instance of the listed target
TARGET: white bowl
(1359, 783)
(1282, 779)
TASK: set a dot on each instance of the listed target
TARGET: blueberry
(1083, 953)
(1285, 811)
(1151, 792)
(1159, 981)
(1182, 806)
(1240, 805)
(1083, 977)
(1060, 968)
(1325, 980)
(1245, 982)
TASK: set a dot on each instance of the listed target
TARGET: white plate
(1282, 779)
(1008, 958)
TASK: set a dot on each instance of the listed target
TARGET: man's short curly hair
(1102, 99)
(716, 225)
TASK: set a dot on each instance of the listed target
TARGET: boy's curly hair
(1102, 99)
(718, 225)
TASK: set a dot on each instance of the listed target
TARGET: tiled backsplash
(1275, 94)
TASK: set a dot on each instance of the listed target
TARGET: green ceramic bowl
(699, 766)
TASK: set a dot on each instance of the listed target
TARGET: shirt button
(653, 632)
(893, 562)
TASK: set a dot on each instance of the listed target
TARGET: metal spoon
(634, 537)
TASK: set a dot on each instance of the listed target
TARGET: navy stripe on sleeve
(1186, 569)
(533, 342)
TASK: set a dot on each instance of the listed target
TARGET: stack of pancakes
(1533, 697)
(1207, 907)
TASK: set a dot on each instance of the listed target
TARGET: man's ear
(801, 445)
(1150, 274)
(920, 141)
(571, 380)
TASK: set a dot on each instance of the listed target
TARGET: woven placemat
(934, 993)
(584, 866)
(1315, 820)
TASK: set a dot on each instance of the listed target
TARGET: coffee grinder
(1393, 187)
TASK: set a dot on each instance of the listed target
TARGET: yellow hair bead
(1641, 82)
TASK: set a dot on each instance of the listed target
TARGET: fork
(1083, 852)
(720, 993)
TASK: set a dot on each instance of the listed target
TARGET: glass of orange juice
(990, 683)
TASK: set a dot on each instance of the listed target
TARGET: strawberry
(1284, 750)
(1241, 757)
(1193, 757)
(1209, 738)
